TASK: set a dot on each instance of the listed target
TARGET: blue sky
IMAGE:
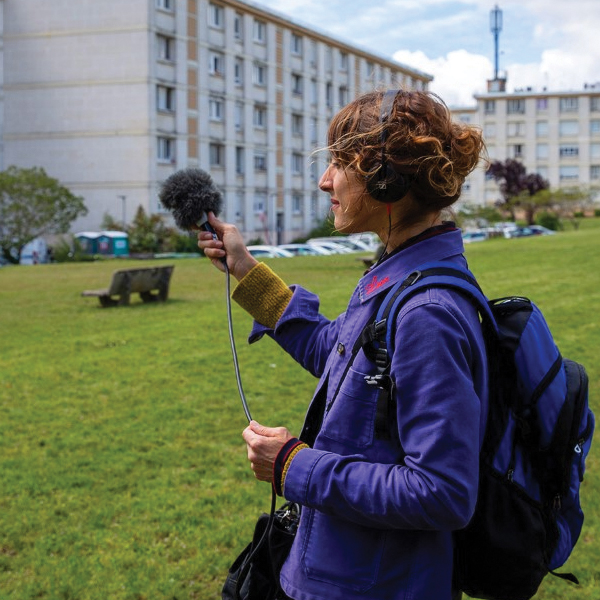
(543, 43)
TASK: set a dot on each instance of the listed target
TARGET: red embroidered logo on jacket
(375, 285)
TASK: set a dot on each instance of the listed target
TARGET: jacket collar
(444, 246)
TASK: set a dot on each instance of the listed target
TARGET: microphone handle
(206, 226)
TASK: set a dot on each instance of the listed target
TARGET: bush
(548, 220)
(71, 251)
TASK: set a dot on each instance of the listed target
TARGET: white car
(333, 247)
(352, 245)
(263, 251)
(304, 250)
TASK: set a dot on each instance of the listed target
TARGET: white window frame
(568, 151)
(297, 84)
(165, 98)
(165, 47)
(344, 61)
(296, 203)
(518, 150)
(165, 149)
(489, 107)
(568, 128)
(297, 163)
(296, 44)
(239, 160)
(216, 16)
(216, 109)
(516, 129)
(515, 106)
(260, 160)
(259, 116)
(542, 152)
(594, 172)
(238, 71)
(569, 104)
(595, 127)
(216, 63)
(238, 26)
(260, 31)
(259, 206)
(165, 5)
(297, 124)
(568, 172)
(542, 128)
(260, 74)
(216, 155)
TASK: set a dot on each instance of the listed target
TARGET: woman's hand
(230, 245)
(264, 444)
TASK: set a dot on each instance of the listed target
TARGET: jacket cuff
(282, 462)
(263, 294)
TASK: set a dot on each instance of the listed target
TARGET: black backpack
(539, 431)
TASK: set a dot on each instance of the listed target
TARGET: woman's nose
(325, 181)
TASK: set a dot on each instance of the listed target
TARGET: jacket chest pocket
(351, 418)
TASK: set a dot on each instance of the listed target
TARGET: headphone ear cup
(390, 189)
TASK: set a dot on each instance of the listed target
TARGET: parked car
(304, 250)
(333, 247)
(352, 245)
(369, 239)
(539, 230)
(474, 236)
(519, 232)
(262, 251)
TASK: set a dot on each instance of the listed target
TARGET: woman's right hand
(229, 244)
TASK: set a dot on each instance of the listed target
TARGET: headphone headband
(387, 185)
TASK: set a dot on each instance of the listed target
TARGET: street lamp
(124, 201)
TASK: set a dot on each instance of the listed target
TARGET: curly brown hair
(421, 140)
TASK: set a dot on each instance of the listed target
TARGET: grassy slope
(122, 467)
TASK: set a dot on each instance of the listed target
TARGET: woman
(378, 511)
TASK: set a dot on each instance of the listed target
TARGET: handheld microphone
(190, 194)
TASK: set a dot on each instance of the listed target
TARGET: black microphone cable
(207, 227)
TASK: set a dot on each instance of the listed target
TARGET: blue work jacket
(378, 514)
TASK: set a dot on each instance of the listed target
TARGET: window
(165, 4)
(343, 61)
(568, 151)
(216, 64)
(238, 26)
(370, 70)
(542, 152)
(594, 127)
(570, 172)
(568, 128)
(239, 160)
(165, 98)
(260, 31)
(489, 107)
(238, 71)
(296, 84)
(516, 129)
(297, 124)
(216, 154)
(489, 130)
(515, 106)
(166, 149)
(542, 172)
(260, 160)
(260, 115)
(328, 58)
(296, 44)
(329, 95)
(314, 172)
(260, 74)
(541, 129)
(313, 130)
(297, 161)
(314, 92)
(165, 47)
(260, 202)
(518, 151)
(238, 115)
(215, 15)
(594, 150)
(343, 95)
(314, 204)
(541, 104)
(595, 103)
(313, 53)
(296, 203)
(594, 172)
(215, 109)
(569, 104)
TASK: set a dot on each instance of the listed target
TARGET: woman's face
(349, 201)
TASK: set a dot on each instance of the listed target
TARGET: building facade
(554, 134)
(112, 97)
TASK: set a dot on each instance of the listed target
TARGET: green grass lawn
(122, 467)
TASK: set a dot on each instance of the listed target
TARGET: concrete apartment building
(112, 96)
(555, 134)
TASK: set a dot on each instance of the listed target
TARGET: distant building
(554, 134)
(112, 96)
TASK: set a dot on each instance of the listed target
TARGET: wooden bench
(130, 281)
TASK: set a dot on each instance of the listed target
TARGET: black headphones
(387, 185)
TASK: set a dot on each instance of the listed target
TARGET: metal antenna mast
(496, 28)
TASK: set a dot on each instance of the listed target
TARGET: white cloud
(457, 76)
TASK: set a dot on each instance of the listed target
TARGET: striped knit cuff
(283, 461)
(263, 294)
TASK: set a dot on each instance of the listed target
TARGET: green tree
(519, 189)
(148, 233)
(33, 204)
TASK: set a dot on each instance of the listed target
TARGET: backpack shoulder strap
(433, 274)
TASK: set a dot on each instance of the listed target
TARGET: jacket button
(341, 349)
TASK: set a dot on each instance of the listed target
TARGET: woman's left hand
(264, 444)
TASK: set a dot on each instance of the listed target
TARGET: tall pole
(124, 200)
(496, 27)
